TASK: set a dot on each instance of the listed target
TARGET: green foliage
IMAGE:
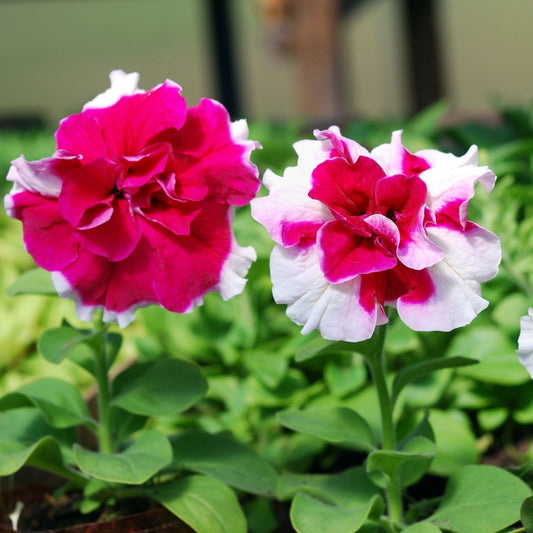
(204, 503)
(135, 465)
(262, 417)
(462, 510)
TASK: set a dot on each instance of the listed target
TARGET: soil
(44, 514)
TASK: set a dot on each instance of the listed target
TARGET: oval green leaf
(480, 499)
(408, 374)
(349, 488)
(206, 504)
(223, 458)
(61, 403)
(309, 515)
(422, 527)
(166, 387)
(410, 463)
(143, 459)
(56, 343)
(526, 514)
(45, 453)
(34, 281)
(339, 425)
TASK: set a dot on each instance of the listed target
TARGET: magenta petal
(186, 181)
(300, 233)
(345, 254)
(138, 170)
(44, 228)
(126, 127)
(87, 193)
(191, 265)
(174, 217)
(224, 163)
(97, 282)
(117, 238)
(346, 189)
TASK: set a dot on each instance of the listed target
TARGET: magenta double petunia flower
(357, 230)
(135, 206)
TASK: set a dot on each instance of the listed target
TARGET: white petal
(232, 277)
(316, 304)
(447, 185)
(441, 159)
(455, 302)
(288, 202)
(463, 250)
(122, 84)
(36, 176)
(457, 299)
(525, 342)
(310, 154)
(390, 155)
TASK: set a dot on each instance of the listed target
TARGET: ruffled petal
(345, 254)
(288, 214)
(223, 160)
(44, 176)
(115, 239)
(122, 84)
(314, 303)
(456, 300)
(126, 127)
(43, 228)
(87, 194)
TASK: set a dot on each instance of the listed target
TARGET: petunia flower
(356, 231)
(135, 206)
(525, 342)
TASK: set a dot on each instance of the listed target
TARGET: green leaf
(135, 465)
(55, 344)
(526, 514)
(455, 441)
(28, 425)
(422, 527)
(309, 515)
(82, 354)
(509, 310)
(206, 504)
(492, 347)
(410, 463)
(349, 488)
(339, 425)
(45, 453)
(343, 380)
(408, 374)
(223, 458)
(166, 387)
(60, 402)
(319, 346)
(267, 367)
(480, 499)
(35, 281)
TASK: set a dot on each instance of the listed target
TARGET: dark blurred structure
(309, 31)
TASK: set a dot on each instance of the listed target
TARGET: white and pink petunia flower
(525, 342)
(135, 206)
(357, 230)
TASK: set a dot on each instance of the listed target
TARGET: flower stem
(105, 439)
(376, 362)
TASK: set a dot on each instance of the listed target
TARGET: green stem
(105, 439)
(376, 362)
